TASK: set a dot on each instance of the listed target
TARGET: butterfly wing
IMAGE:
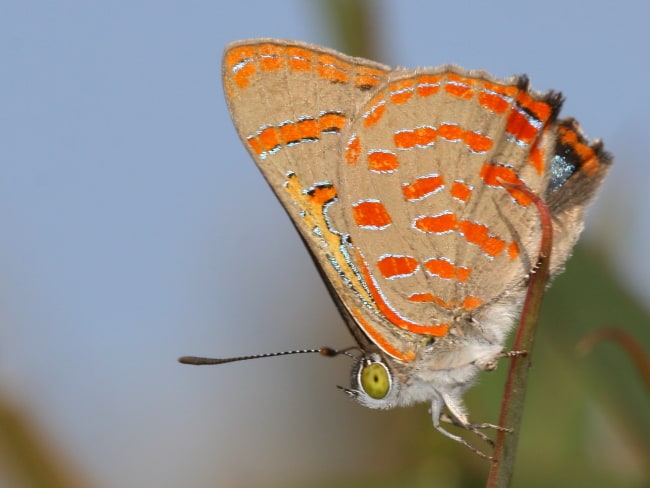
(439, 235)
(290, 102)
(578, 168)
(394, 180)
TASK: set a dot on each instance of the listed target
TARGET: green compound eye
(375, 381)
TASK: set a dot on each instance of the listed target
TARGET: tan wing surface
(425, 204)
(395, 180)
(290, 102)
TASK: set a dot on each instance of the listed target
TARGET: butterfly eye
(375, 380)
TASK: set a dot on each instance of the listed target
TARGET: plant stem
(512, 406)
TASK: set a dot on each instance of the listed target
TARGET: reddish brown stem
(502, 467)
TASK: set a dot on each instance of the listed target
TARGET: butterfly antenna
(323, 351)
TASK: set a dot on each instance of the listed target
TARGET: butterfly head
(373, 383)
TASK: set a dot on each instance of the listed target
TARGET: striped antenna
(323, 351)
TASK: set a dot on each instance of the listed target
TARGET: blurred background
(136, 229)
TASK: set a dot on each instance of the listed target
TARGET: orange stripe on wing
(333, 69)
(397, 266)
(446, 270)
(244, 57)
(300, 59)
(459, 91)
(437, 330)
(479, 234)
(436, 224)
(367, 77)
(353, 150)
(461, 191)
(269, 139)
(536, 158)
(513, 250)
(460, 86)
(381, 341)
(505, 90)
(462, 273)
(519, 126)
(332, 122)
(477, 142)
(401, 91)
(421, 136)
(422, 187)
(371, 214)
(321, 195)
(494, 175)
(425, 136)
(428, 85)
(308, 129)
(493, 102)
(382, 162)
(540, 109)
(271, 57)
(377, 109)
(590, 163)
(289, 133)
(471, 302)
(255, 145)
(451, 132)
(441, 268)
(420, 297)
(462, 79)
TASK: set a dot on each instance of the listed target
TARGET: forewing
(290, 102)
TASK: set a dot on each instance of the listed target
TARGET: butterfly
(405, 186)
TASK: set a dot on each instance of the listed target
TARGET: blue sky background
(136, 229)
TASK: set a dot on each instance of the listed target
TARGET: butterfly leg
(491, 363)
(476, 428)
(513, 354)
(458, 418)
